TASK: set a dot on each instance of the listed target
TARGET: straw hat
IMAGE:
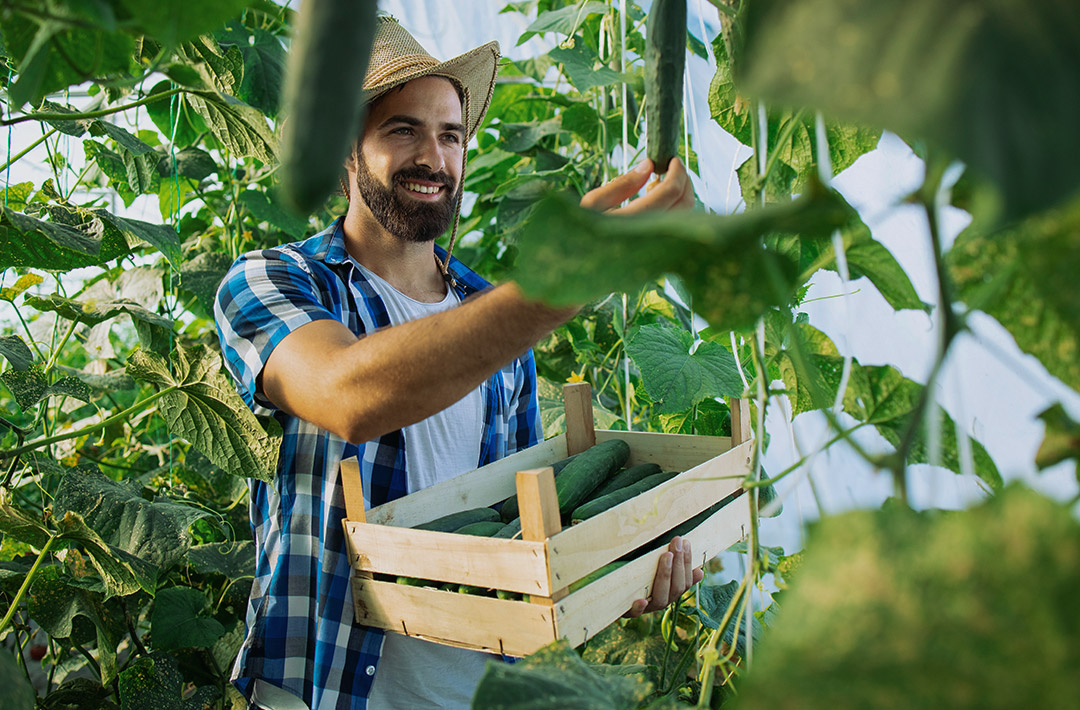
(396, 57)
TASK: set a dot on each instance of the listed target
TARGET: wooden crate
(547, 558)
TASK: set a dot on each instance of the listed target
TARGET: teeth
(421, 188)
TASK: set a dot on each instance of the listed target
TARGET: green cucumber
(627, 477)
(509, 596)
(665, 60)
(454, 521)
(599, 505)
(595, 575)
(484, 528)
(510, 530)
(414, 582)
(588, 471)
(333, 41)
(509, 509)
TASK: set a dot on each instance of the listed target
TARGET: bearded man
(370, 340)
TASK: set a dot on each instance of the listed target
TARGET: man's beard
(411, 221)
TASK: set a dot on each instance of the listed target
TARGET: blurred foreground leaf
(896, 609)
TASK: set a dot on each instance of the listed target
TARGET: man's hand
(674, 192)
(675, 574)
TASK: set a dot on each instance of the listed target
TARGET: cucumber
(509, 510)
(323, 96)
(599, 505)
(627, 477)
(510, 596)
(414, 582)
(454, 521)
(665, 60)
(595, 575)
(484, 528)
(510, 529)
(588, 472)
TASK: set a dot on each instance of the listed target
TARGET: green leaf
(240, 128)
(27, 241)
(264, 65)
(565, 20)
(574, 254)
(54, 604)
(203, 274)
(112, 381)
(1061, 441)
(625, 644)
(266, 210)
(1025, 278)
(171, 22)
(675, 374)
(146, 537)
(18, 693)
(27, 386)
(21, 525)
(15, 352)
(205, 410)
(154, 330)
(181, 619)
(583, 68)
(155, 681)
(934, 70)
(121, 572)
(232, 559)
(221, 69)
(175, 117)
(21, 285)
(194, 163)
(75, 127)
(889, 596)
(553, 677)
(520, 137)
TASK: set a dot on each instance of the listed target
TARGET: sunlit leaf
(264, 65)
(676, 374)
(181, 619)
(935, 70)
(583, 68)
(946, 598)
(205, 410)
(27, 241)
(1025, 277)
(565, 20)
(154, 330)
(240, 128)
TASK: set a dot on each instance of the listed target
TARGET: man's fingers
(679, 577)
(636, 609)
(668, 193)
(612, 194)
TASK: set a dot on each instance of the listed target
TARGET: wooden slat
(538, 504)
(578, 550)
(353, 488)
(495, 625)
(577, 401)
(587, 611)
(670, 452)
(515, 565)
(476, 489)
(741, 426)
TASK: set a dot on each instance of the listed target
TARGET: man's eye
(453, 138)
(404, 130)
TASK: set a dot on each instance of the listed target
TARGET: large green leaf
(15, 352)
(18, 693)
(571, 255)
(565, 20)
(154, 330)
(240, 128)
(55, 603)
(264, 65)
(174, 21)
(266, 210)
(31, 386)
(205, 410)
(583, 68)
(121, 572)
(232, 559)
(894, 609)
(181, 619)
(27, 241)
(1025, 278)
(203, 274)
(676, 374)
(155, 681)
(556, 677)
(21, 525)
(987, 80)
(78, 43)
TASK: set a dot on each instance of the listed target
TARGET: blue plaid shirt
(300, 630)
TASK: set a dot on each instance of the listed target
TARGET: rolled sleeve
(264, 296)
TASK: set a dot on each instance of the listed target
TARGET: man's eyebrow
(414, 121)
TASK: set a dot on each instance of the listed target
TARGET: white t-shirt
(414, 673)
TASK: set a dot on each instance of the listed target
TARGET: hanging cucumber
(323, 96)
(665, 59)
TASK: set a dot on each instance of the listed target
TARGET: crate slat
(482, 623)
(672, 452)
(515, 565)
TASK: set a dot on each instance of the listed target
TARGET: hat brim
(473, 72)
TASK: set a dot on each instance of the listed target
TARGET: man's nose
(428, 154)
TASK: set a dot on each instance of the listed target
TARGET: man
(369, 340)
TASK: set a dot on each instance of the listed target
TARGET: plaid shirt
(300, 630)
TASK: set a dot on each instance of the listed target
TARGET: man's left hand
(675, 574)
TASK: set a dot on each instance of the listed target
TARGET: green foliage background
(125, 553)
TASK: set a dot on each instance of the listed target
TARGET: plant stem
(56, 351)
(26, 582)
(27, 149)
(118, 417)
(783, 136)
(47, 116)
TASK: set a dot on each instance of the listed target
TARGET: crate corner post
(352, 487)
(580, 430)
(741, 426)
